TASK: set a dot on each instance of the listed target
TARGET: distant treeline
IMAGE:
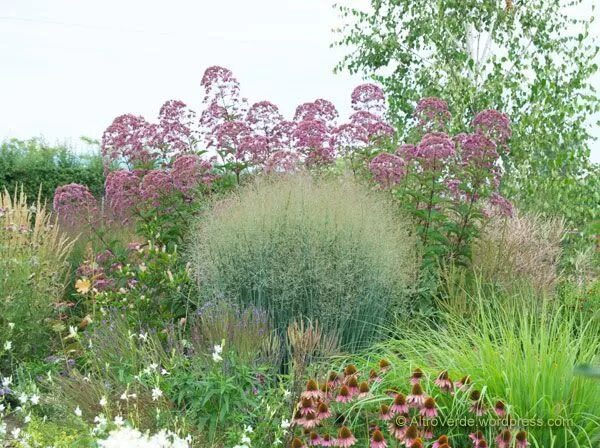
(34, 163)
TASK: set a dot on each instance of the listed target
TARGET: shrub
(300, 248)
(33, 270)
(525, 351)
(520, 248)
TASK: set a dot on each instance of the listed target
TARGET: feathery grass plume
(299, 247)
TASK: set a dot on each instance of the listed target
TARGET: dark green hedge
(32, 163)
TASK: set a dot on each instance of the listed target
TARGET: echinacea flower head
(416, 397)
(482, 444)
(397, 429)
(411, 434)
(444, 382)
(312, 390)
(309, 420)
(463, 383)
(306, 406)
(345, 438)
(352, 384)
(429, 409)
(378, 440)
(416, 376)
(314, 439)
(476, 437)
(374, 376)
(521, 440)
(344, 395)
(363, 389)
(440, 442)
(504, 439)
(326, 440)
(297, 443)
(500, 408)
(399, 405)
(350, 370)
(323, 411)
(333, 379)
(385, 413)
(384, 365)
(417, 443)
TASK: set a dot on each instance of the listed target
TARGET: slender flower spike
(429, 409)
(377, 440)
(521, 440)
(345, 438)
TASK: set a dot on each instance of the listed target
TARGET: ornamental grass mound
(301, 248)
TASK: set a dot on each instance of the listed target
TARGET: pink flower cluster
(432, 114)
(75, 204)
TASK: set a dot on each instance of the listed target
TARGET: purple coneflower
(500, 408)
(521, 440)
(323, 411)
(312, 391)
(326, 440)
(463, 382)
(396, 429)
(411, 435)
(297, 443)
(333, 380)
(416, 397)
(444, 382)
(363, 389)
(428, 410)
(350, 370)
(314, 439)
(399, 405)
(384, 365)
(352, 384)
(416, 376)
(504, 438)
(377, 440)
(306, 406)
(476, 437)
(417, 443)
(374, 376)
(310, 421)
(345, 438)
(482, 444)
(385, 413)
(477, 406)
(344, 395)
(442, 440)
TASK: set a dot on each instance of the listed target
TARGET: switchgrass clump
(301, 248)
(526, 351)
(33, 269)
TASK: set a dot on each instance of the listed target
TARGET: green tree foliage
(531, 59)
(34, 163)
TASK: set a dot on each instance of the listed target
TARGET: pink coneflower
(312, 391)
(345, 438)
(314, 439)
(326, 440)
(352, 384)
(399, 405)
(417, 443)
(344, 395)
(416, 397)
(306, 406)
(444, 382)
(504, 438)
(326, 391)
(416, 376)
(427, 431)
(350, 370)
(377, 440)
(299, 418)
(363, 389)
(323, 411)
(310, 421)
(500, 408)
(521, 440)
(463, 383)
(333, 380)
(441, 441)
(411, 435)
(476, 437)
(397, 429)
(482, 444)
(374, 376)
(385, 413)
(428, 410)
(384, 366)
(297, 443)
(477, 406)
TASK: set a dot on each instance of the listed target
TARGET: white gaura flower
(23, 398)
(216, 355)
(103, 401)
(78, 411)
(72, 331)
(27, 418)
(11, 325)
(35, 399)
(119, 421)
(285, 424)
(6, 381)
(15, 433)
(156, 393)
(248, 429)
(8, 346)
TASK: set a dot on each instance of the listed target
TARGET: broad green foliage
(530, 59)
(35, 165)
(302, 249)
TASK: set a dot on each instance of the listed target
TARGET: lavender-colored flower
(176, 133)
(476, 150)
(230, 135)
(374, 125)
(494, 125)
(368, 97)
(122, 192)
(263, 117)
(283, 136)
(320, 109)
(499, 205)
(253, 149)
(189, 171)
(407, 152)
(311, 139)
(434, 149)
(75, 204)
(128, 140)
(156, 185)
(432, 114)
(282, 161)
(220, 86)
(348, 138)
(387, 169)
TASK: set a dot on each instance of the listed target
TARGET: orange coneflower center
(417, 373)
(378, 436)
(344, 433)
(353, 382)
(429, 403)
(418, 443)
(506, 435)
(364, 387)
(297, 443)
(312, 386)
(400, 400)
(417, 389)
(323, 408)
(383, 364)
(344, 391)
(350, 370)
(521, 436)
(411, 432)
(443, 439)
(475, 395)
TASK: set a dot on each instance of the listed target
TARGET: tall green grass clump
(301, 248)
(525, 350)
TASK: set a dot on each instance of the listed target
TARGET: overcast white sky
(68, 67)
